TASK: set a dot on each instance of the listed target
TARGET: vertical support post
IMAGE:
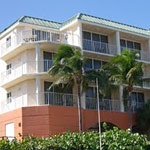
(120, 87)
(80, 36)
(118, 42)
(38, 84)
(38, 90)
(99, 116)
(148, 46)
(37, 57)
(121, 98)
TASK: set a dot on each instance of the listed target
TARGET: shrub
(114, 139)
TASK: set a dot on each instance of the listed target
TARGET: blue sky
(133, 12)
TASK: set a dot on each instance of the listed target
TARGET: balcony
(111, 105)
(24, 68)
(30, 36)
(99, 47)
(62, 99)
(143, 55)
(47, 98)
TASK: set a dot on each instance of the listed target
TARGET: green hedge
(111, 140)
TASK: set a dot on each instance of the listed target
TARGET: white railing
(25, 68)
(51, 98)
(143, 55)
(146, 84)
(47, 98)
(99, 47)
(18, 102)
(63, 99)
(111, 105)
(28, 36)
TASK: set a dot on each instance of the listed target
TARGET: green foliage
(143, 119)
(125, 70)
(111, 140)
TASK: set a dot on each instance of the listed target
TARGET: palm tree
(143, 120)
(125, 70)
(69, 68)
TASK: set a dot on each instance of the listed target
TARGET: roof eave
(8, 30)
(69, 24)
(114, 28)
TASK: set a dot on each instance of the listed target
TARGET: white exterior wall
(26, 90)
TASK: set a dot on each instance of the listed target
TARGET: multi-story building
(27, 47)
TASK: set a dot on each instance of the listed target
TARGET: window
(40, 35)
(97, 64)
(92, 64)
(9, 98)
(8, 42)
(130, 45)
(123, 43)
(138, 97)
(86, 35)
(48, 57)
(91, 101)
(95, 37)
(137, 46)
(95, 42)
(8, 68)
(138, 100)
(56, 37)
(104, 39)
(88, 65)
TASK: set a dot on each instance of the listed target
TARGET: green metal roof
(113, 24)
(40, 22)
(85, 18)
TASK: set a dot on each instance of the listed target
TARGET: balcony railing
(47, 98)
(60, 99)
(99, 47)
(63, 99)
(28, 36)
(111, 105)
(24, 68)
(143, 55)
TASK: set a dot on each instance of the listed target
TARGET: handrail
(28, 36)
(99, 47)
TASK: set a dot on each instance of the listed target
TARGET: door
(47, 60)
(10, 131)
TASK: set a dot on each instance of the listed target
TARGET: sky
(132, 12)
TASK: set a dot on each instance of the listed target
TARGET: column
(80, 35)
(83, 97)
(148, 45)
(38, 90)
(38, 84)
(118, 42)
(121, 98)
(120, 87)
(37, 57)
(83, 100)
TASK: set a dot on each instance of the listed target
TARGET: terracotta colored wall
(45, 120)
(90, 118)
(11, 117)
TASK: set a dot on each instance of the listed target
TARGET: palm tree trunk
(130, 110)
(79, 108)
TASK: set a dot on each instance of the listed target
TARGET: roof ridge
(39, 19)
(115, 22)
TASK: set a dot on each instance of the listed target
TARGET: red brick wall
(11, 117)
(45, 120)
